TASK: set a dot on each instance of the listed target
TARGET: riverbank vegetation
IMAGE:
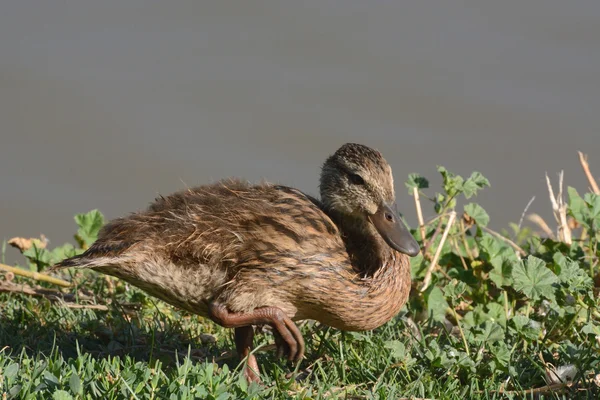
(492, 314)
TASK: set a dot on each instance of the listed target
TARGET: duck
(246, 255)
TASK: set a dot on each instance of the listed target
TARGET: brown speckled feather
(250, 246)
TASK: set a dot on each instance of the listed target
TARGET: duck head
(357, 181)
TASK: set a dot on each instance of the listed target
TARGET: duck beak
(393, 231)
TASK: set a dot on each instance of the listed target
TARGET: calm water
(106, 104)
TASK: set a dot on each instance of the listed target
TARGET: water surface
(106, 104)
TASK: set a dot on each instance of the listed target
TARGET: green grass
(491, 324)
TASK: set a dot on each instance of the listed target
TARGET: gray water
(106, 104)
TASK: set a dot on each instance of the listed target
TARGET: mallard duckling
(244, 255)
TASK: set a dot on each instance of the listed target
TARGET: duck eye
(356, 179)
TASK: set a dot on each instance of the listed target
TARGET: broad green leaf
(397, 349)
(436, 305)
(438, 357)
(89, 226)
(439, 200)
(242, 383)
(501, 275)
(593, 202)
(203, 394)
(416, 181)
(454, 289)
(533, 278)
(591, 329)
(577, 207)
(477, 212)
(496, 313)
(62, 252)
(417, 266)
(138, 389)
(470, 320)
(467, 363)
(75, 384)
(61, 395)
(520, 233)
(491, 332)
(50, 377)
(571, 274)
(453, 184)
(224, 396)
(501, 353)
(474, 183)
(490, 246)
(14, 391)
(500, 256)
(525, 327)
(11, 371)
(37, 255)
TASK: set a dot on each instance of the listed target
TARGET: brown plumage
(245, 254)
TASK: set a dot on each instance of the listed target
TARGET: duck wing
(228, 224)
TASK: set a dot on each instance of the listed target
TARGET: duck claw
(290, 339)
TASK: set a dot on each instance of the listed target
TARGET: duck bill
(393, 231)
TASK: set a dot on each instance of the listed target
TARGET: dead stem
(419, 213)
(457, 249)
(463, 236)
(559, 209)
(63, 299)
(539, 221)
(515, 246)
(525, 212)
(438, 228)
(98, 307)
(35, 275)
(588, 174)
(436, 257)
(555, 388)
(10, 287)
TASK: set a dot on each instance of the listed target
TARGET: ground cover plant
(511, 314)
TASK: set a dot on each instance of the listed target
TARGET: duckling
(268, 254)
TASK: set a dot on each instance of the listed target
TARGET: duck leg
(243, 344)
(285, 327)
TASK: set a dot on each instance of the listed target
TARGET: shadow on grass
(39, 327)
(42, 329)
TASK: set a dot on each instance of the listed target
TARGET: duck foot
(243, 343)
(285, 327)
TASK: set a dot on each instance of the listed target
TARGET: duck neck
(369, 255)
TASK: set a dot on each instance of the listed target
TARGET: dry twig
(436, 257)
(436, 232)
(64, 299)
(588, 173)
(35, 275)
(463, 236)
(419, 213)
(515, 246)
(539, 221)
(559, 209)
(525, 212)
(53, 295)
(99, 307)
(555, 388)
